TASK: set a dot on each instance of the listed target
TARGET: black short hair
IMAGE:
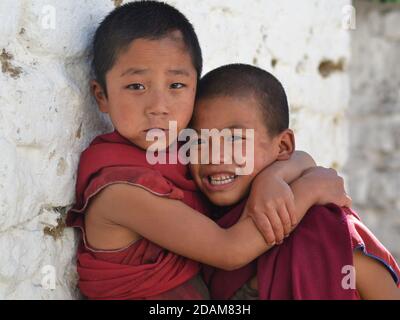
(241, 80)
(140, 19)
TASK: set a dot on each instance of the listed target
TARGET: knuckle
(279, 202)
(270, 238)
(287, 224)
(276, 229)
(289, 197)
(254, 211)
(278, 232)
(270, 205)
(285, 219)
(251, 214)
(251, 207)
(263, 225)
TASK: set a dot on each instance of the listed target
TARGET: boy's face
(219, 181)
(151, 83)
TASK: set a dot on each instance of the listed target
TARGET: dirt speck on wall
(327, 67)
(55, 232)
(117, 3)
(6, 65)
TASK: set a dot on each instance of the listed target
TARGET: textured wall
(374, 154)
(47, 116)
(46, 119)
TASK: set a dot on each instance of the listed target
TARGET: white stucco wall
(374, 137)
(47, 116)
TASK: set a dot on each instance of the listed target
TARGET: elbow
(232, 261)
(231, 254)
(308, 159)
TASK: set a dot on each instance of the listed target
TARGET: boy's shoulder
(347, 224)
(109, 150)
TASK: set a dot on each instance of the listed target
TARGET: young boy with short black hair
(330, 241)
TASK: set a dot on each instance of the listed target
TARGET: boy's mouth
(156, 130)
(219, 181)
(161, 129)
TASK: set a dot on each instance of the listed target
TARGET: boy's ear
(99, 95)
(286, 144)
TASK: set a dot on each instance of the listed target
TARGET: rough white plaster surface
(47, 116)
(374, 113)
(46, 119)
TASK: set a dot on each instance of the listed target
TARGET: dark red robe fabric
(312, 263)
(142, 270)
(308, 265)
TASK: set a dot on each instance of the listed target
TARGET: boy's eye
(199, 141)
(177, 85)
(234, 138)
(135, 86)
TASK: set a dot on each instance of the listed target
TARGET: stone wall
(374, 113)
(47, 116)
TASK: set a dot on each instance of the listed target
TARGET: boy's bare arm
(291, 169)
(318, 186)
(178, 228)
(373, 281)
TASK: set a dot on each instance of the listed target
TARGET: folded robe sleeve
(312, 263)
(364, 240)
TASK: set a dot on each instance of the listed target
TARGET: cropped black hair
(140, 19)
(242, 80)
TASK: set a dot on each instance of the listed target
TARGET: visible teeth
(221, 179)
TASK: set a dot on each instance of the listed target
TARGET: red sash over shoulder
(312, 263)
(143, 270)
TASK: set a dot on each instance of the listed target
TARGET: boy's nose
(219, 153)
(157, 105)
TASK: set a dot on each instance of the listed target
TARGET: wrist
(308, 182)
(280, 169)
(274, 171)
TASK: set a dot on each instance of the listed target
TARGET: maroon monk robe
(142, 270)
(311, 262)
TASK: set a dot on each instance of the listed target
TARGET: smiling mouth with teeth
(218, 180)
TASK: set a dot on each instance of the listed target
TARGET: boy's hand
(327, 186)
(271, 203)
(271, 206)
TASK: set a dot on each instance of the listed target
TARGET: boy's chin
(150, 146)
(223, 199)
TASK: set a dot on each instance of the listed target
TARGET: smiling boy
(239, 97)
